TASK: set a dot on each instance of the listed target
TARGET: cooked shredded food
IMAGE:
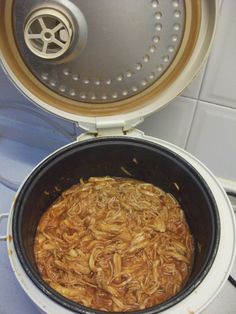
(114, 244)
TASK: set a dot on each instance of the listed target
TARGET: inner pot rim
(70, 305)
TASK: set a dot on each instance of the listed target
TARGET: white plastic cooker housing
(106, 67)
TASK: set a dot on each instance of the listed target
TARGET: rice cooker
(106, 65)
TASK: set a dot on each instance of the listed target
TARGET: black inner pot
(100, 157)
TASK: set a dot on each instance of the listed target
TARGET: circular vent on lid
(48, 33)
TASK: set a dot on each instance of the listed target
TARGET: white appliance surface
(27, 135)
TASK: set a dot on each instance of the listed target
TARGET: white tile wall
(212, 139)
(193, 90)
(219, 85)
(173, 122)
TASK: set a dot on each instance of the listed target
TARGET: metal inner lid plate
(115, 49)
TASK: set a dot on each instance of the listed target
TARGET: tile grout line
(191, 125)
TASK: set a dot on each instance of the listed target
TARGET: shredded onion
(114, 244)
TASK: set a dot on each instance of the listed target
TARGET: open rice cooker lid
(109, 63)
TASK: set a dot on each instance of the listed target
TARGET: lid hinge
(108, 126)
